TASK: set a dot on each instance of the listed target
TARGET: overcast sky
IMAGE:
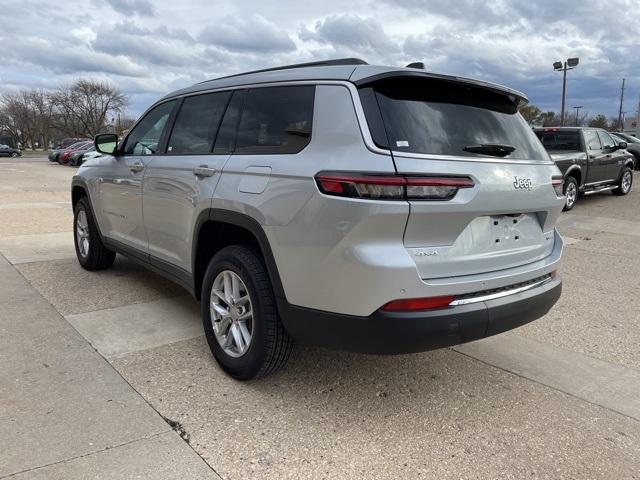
(148, 48)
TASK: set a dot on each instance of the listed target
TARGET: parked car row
(75, 154)
(591, 160)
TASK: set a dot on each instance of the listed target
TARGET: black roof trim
(321, 63)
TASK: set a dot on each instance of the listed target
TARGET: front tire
(91, 252)
(14, 154)
(625, 182)
(240, 317)
(570, 193)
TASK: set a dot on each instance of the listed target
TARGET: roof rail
(321, 63)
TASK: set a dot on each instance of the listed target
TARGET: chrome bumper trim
(500, 294)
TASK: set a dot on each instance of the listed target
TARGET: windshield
(560, 140)
(445, 118)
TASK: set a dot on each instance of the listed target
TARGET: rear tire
(625, 182)
(268, 346)
(570, 193)
(91, 252)
(14, 154)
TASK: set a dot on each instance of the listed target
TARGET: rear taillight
(558, 184)
(390, 187)
(417, 304)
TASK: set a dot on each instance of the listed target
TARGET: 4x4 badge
(522, 183)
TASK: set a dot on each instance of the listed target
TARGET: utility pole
(620, 126)
(577, 109)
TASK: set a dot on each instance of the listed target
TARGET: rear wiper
(493, 149)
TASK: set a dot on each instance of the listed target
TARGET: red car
(63, 158)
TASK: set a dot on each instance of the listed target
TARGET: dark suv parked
(590, 159)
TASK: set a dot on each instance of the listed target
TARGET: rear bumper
(394, 333)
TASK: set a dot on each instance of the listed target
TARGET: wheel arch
(576, 172)
(217, 228)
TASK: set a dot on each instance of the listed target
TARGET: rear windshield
(560, 140)
(444, 118)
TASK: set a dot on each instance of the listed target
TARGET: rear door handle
(204, 171)
(136, 167)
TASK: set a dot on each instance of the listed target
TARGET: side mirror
(106, 143)
(622, 145)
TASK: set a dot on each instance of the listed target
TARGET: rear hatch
(452, 128)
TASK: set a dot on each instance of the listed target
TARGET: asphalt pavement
(108, 375)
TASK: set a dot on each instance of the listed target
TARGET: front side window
(276, 120)
(144, 139)
(607, 142)
(197, 123)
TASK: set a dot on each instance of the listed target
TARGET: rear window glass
(276, 120)
(560, 140)
(444, 118)
(197, 123)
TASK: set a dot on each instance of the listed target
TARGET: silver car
(365, 208)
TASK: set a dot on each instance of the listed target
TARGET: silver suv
(366, 208)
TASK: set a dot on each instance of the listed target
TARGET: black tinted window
(442, 118)
(560, 140)
(197, 123)
(276, 120)
(145, 136)
(226, 139)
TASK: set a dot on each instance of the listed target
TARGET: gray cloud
(143, 8)
(247, 34)
(351, 32)
(149, 47)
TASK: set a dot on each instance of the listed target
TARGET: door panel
(595, 158)
(120, 186)
(611, 157)
(174, 195)
(121, 179)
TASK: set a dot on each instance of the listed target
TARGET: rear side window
(591, 140)
(560, 140)
(197, 123)
(276, 120)
(445, 118)
(144, 139)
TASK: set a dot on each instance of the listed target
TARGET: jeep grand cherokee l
(373, 209)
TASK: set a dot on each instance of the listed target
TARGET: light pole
(569, 64)
(577, 109)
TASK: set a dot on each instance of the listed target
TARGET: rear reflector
(417, 304)
(390, 187)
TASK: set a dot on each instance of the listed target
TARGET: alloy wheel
(626, 181)
(571, 194)
(82, 233)
(231, 313)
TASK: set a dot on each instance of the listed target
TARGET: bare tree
(82, 109)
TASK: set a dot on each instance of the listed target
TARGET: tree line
(536, 117)
(37, 117)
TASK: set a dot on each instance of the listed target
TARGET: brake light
(390, 187)
(558, 184)
(417, 304)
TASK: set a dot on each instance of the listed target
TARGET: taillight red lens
(417, 304)
(391, 187)
(558, 185)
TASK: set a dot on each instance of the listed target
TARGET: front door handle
(136, 167)
(204, 171)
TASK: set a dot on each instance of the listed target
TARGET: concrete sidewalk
(65, 412)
